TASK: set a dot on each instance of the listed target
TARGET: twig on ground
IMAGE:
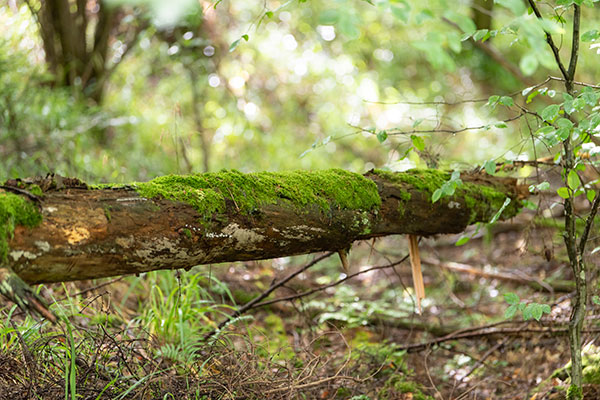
(253, 303)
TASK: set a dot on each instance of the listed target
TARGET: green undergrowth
(591, 368)
(15, 210)
(208, 193)
(483, 201)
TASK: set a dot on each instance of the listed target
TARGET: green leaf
(529, 64)
(591, 195)
(234, 44)
(510, 311)
(543, 186)
(501, 125)
(418, 142)
(564, 123)
(490, 167)
(545, 131)
(382, 136)
(590, 36)
(546, 308)
(596, 300)
(563, 192)
(455, 176)
(497, 215)
(563, 133)
(550, 112)
(245, 37)
(269, 14)
(436, 195)
(493, 100)
(536, 311)
(527, 312)
(526, 91)
(480, 34)
(573, 180)
(511, 298)
(462, 240)
(506, 101)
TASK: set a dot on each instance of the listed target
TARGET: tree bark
(170, 222)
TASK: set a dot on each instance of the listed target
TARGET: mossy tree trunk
(183, 221)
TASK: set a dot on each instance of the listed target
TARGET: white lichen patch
(42, 245)
(165, 251)
(303, 233)
(453, 204)
(50, 210)
(17, 254)
(245, 238)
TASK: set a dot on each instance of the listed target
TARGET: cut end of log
(415, 263)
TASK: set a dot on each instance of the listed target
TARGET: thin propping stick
(417, 274)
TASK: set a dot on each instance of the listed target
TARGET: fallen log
(58, 229)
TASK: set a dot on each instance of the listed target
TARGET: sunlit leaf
(497, 215)
(590, 36)
(462, 240)
(418, 142)
(506, 101)
(528, 64)
(550, 112)
(573, 180)
(490, 167)
(563, 192)
(591, 195)
(382, 136)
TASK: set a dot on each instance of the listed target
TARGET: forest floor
(156, 336)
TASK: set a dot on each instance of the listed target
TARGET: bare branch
(553, 47)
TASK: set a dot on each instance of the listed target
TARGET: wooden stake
(344, 259)
(415, 263)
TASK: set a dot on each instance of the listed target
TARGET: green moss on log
(208, 193)
(15, 210)
(482, 200)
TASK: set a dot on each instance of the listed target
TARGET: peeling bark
(91, 233)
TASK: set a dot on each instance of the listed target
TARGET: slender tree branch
(589, 222)
(556, 78)
(553, 47)
(574, 47)
(324, 287)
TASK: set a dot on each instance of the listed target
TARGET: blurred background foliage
(334, 78)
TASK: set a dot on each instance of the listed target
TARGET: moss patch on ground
(208, 193)
(15, 210)
(397, 387)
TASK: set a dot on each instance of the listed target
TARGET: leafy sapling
(529, 310)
